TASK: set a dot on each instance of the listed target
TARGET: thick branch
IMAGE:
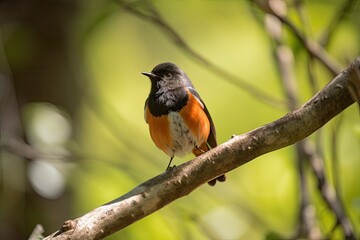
(161, 190)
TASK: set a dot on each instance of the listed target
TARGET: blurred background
(73, 135)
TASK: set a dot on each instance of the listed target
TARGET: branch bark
(165, 188)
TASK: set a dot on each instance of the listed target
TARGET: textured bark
(161, 190)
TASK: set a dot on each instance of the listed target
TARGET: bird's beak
(149, 74)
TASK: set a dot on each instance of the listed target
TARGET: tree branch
(163, 189)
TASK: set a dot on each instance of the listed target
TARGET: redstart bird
(178, 119)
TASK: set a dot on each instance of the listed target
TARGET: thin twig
(339, 15)
(299, 4)
(327, 191)
(312, 47)
(303, 16)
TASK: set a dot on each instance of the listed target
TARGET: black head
(168, 74)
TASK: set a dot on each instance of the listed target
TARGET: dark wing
(146, 103)
(212, 135)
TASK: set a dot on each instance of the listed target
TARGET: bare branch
(163, 189)
(327, 191)
(312, 47)
(339, 15)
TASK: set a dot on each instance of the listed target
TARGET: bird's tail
(200, 150)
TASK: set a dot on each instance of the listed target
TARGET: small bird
(178, 119)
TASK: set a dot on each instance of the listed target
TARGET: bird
(179, 121)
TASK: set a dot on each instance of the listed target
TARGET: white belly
(183, 140)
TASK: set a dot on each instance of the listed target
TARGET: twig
(339, 15)
(335, 156)
(161, 190)
(303, 16)
(327, 191)
(310, 60)
(312, 47)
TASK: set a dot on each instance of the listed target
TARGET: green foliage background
(111, 47)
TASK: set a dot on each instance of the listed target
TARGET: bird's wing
(146, 103)
(212, 135)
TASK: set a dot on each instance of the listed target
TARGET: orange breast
(160, 132)
(196, 120)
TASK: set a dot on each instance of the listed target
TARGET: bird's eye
(168, 75)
